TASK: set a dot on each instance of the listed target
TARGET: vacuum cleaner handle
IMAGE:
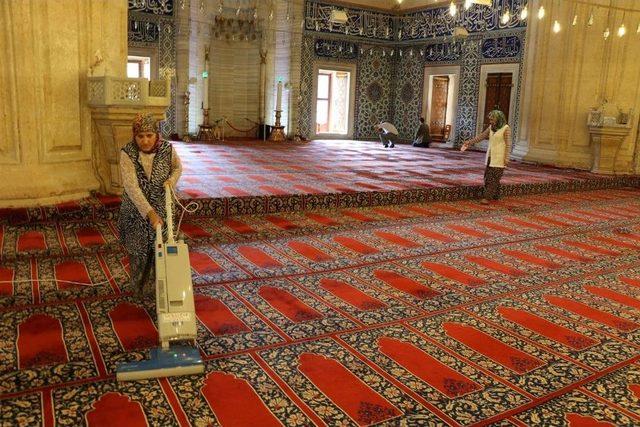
(169, 210)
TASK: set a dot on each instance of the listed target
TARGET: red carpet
(525, 312)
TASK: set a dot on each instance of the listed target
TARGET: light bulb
(453, 9)
(541, 12)
(622, 30)
(467, 4)
(590, 22)
(524, 13)
(638, 29)
(575, 20)
(556, 26)
(607, 33)
(506, 16)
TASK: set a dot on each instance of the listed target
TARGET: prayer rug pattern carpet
(523, 312)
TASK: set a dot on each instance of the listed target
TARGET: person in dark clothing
(423, 137)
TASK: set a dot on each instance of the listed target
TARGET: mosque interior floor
(523, 312)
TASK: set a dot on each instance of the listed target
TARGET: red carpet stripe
(498, 227)
(522, 223)
(574, 218)
(193, 231)
(614, 296)
(496, 266)
(419, 210)
(578, 420)
(280, 222)
(447, 208)
(203, 264)
(551, 221)
(71, 271)
(546, 328)
(507, 356)
(631, 236)
(113, 408)
(434, 235)
(355, 245)
(531, 259)
(427, 368)
(357, 215)
(133, 327)
(631, 282)
(615, 242)
(310, 252)
(288, 305)
(351, 295)
(31, 241)
(564, 254)
(589, 312)
(363, 405)
(618, 212)
(468, 231)
(217, 317)
(405, 284)
(235, 403)
(390, 213)
(236, 192)
(258, 257)
(321, 219)
(40, 342)
(7, 276)
(273, 190)
(398, 240)
(595, 215)
(89, 236)
(590, 248)
(258, 178)
(453, 274)
(238, 226)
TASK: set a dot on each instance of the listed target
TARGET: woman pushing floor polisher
(175, 309)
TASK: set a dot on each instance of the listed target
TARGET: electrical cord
(187, 208)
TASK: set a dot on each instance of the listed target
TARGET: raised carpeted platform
(526, 312)
(253, 177)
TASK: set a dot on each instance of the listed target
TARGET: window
(139, 67)
(332, 102)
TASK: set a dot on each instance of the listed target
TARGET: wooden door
(498, 95)
(439, 96)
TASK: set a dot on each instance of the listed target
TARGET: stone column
(49, 49)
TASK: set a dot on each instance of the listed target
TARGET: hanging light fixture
(541, 12)
(453, 9)
(606, 33)
(524, 13)
(556, 27)
(622, 30)
(506, 17)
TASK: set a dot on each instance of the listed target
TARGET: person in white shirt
(388, 134)
(497, 158)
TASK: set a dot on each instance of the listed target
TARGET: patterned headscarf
(501, 120)
(144, 123)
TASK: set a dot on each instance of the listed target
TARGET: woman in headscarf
(148, 165)
(499, 135)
